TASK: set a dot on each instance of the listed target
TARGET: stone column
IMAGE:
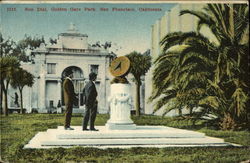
(120, 106)
(42, 69)
(42, 89)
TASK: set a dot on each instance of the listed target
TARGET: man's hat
(68, 72)
(92, 75)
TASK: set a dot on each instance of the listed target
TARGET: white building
(171, 22)
(72, 50)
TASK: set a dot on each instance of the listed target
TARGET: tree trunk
(137, 99)
(1, 99)
(21, 100)
(191, 110)
(5, 103)
(180, 111)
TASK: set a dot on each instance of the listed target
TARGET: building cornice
(65, 53)
(73, 34)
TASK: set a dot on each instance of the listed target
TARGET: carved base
(120, 126)
(120, 106)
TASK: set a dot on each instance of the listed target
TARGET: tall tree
(8, 66)
(31, 42)
(140, 64)
(7, 48)
(230, 25)
(27, 43)
(22, 78)
(11, 48)
(179, 78)
(226, 85)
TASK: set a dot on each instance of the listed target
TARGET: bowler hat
(68, 72)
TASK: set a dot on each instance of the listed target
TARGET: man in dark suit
(89, 95)
(69, 98)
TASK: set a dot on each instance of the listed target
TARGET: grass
(17, 130)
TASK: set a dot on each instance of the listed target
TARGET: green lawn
(17, 130)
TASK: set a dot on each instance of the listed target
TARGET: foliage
(17, 130)
(52, 41)
(11, 54)
(140, 64)
(19, 50)
(201, 73)
(7, 46)
(180, 76)
(8, 65)
(20, 79)
(28, 43)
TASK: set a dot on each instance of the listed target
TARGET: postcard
(149, 49)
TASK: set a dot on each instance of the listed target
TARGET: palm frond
(169, 108)
(176, 38)
(211, 101)
(206, 19)
(163, 101)
(239, 102)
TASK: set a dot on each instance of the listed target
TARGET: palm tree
(8, 66)
(20, 79)
(224, 65)
(140, 64)
(229, 24)
(179, 79)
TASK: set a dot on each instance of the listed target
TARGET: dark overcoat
(89, 94)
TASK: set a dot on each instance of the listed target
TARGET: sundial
(120, 66)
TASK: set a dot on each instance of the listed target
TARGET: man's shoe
(68, 128)
(85, 129)
(94, 129)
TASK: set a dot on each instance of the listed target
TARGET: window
(51, 68)
(94, 68)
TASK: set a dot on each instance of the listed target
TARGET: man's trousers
(90, 115)
(68, 115)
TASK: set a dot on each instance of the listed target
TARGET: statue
(120, 97)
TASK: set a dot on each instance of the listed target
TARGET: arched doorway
(78, 81)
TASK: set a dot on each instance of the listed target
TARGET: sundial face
(119, 66)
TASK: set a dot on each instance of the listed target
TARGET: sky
(127, 30)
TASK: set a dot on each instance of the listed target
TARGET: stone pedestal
(143, 136)
(120, 106)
